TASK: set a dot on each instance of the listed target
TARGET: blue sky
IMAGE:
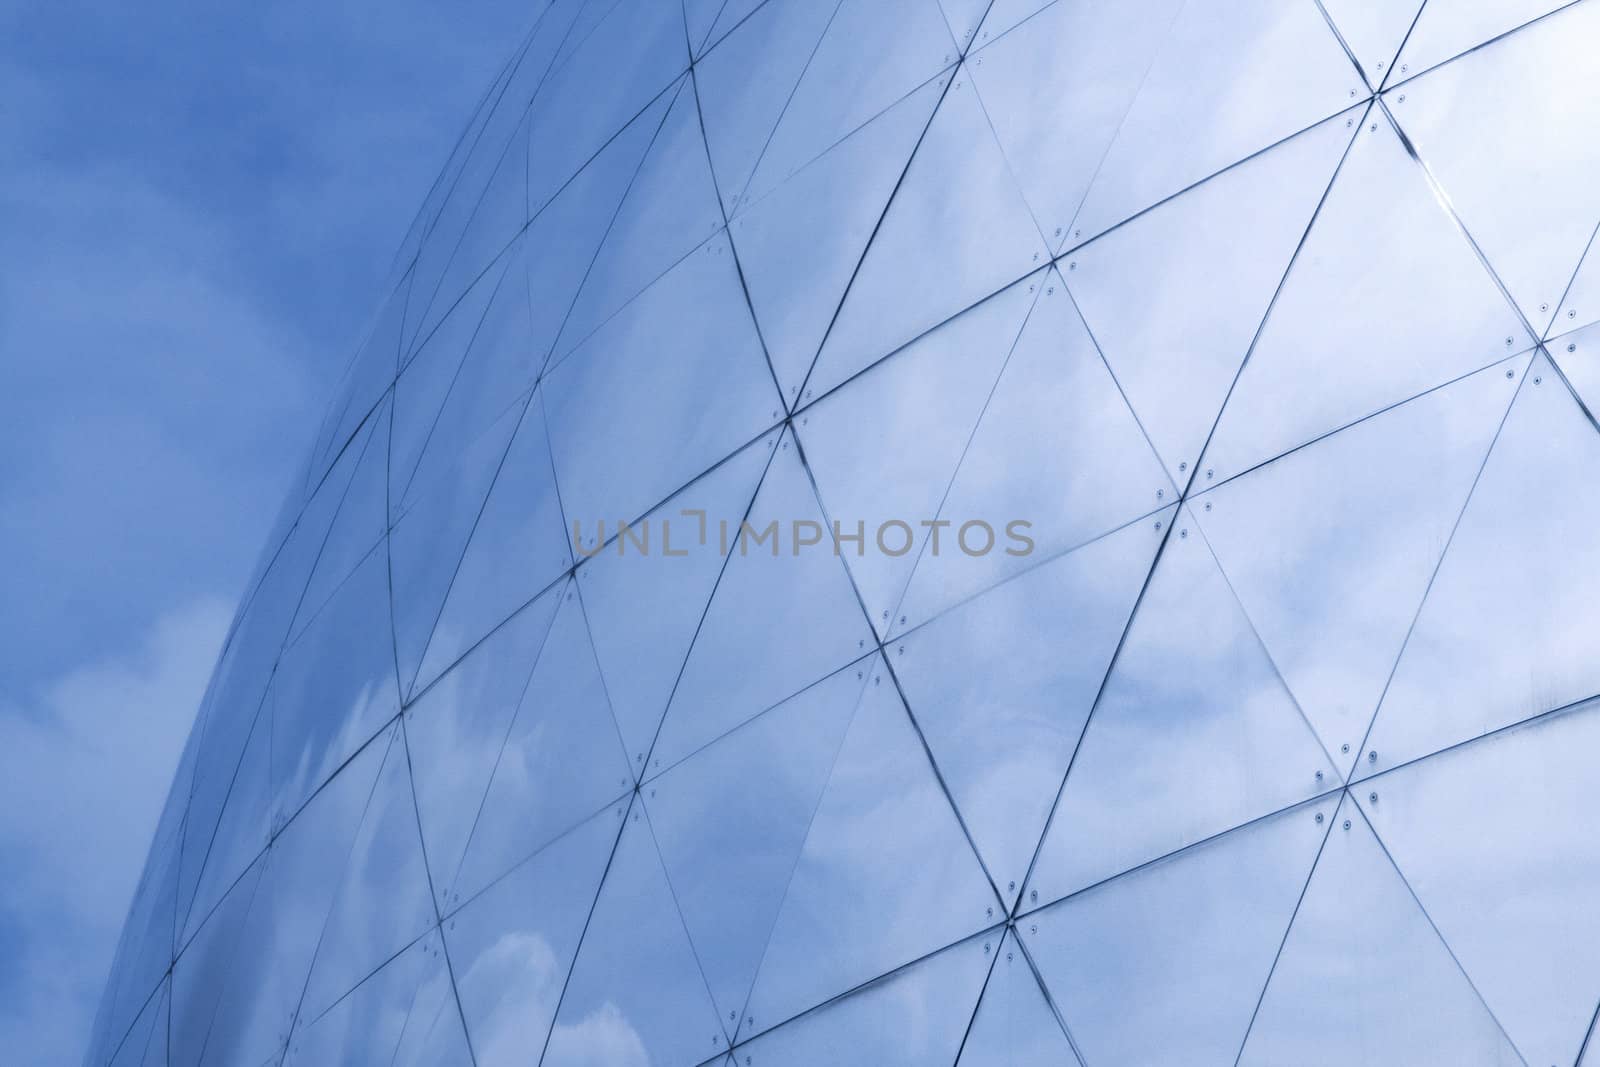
(199, 203)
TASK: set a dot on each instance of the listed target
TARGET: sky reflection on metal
(1273, 320)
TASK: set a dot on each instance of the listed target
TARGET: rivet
(1510, 374)
(1183, 466)
(986, 948)
(1160, 493)
(1058, 231)
(1401, 98)
(1404, 67)
(1347, 824)
(1033, 895)
(1073, 265)
(1344, 748)
(1372, 757)
(1319, 818)
(1352, 94)
(1011, 887)
(1373, 127)
(1349, 123)
(1319, 776)
(1158, 524)
(902, 620)
(1537, 380)
(1183, 533)
(1508, 342)
(1572, 314)
(1077, 233)
(1544, 307)
(1050, 291)
(1572, 348)
(989, 912)
(1209, 473)
(1372, 798)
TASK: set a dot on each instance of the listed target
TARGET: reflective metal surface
(1272, 323)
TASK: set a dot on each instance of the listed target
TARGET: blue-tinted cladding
(1274, 325)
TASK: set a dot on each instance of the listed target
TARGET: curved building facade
(935, 532)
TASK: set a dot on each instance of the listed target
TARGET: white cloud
(84, 766)
(602, 1038)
